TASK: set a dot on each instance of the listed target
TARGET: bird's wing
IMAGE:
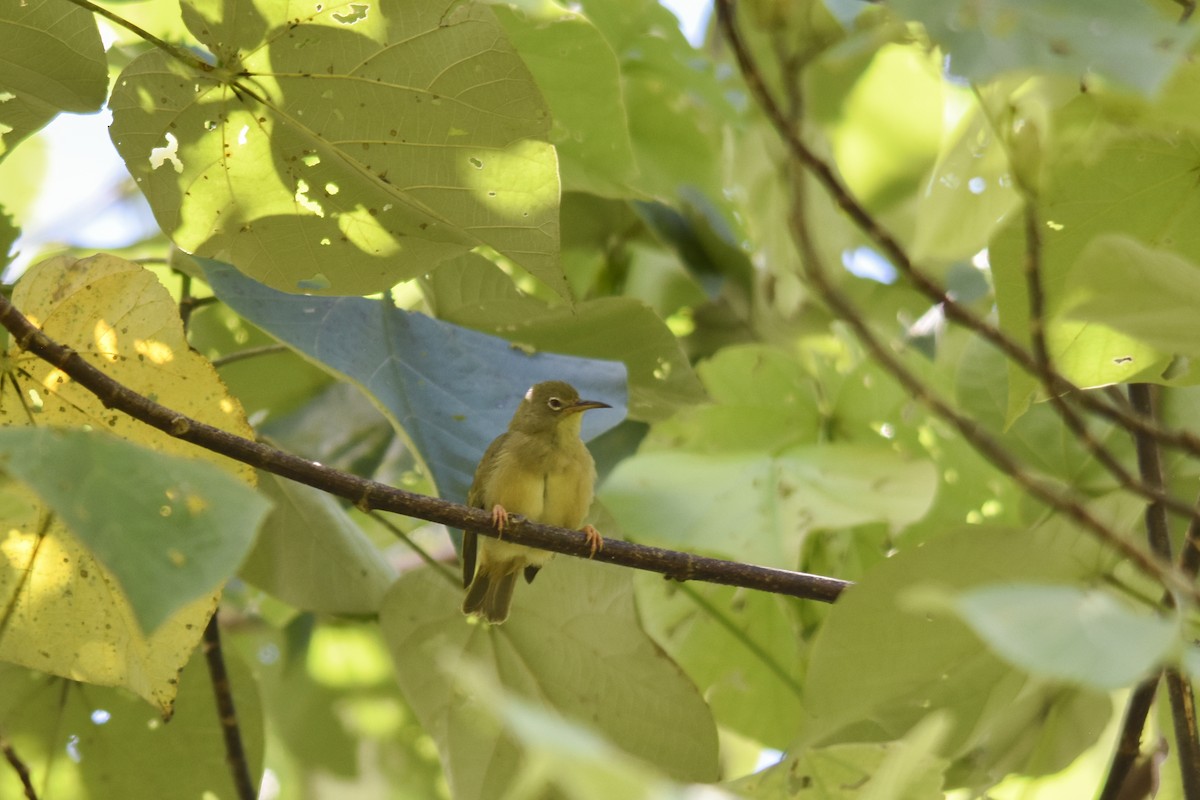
(470, 542)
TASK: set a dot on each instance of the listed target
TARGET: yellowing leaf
(63, 611)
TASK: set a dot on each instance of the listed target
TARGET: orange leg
(594, 539)
(499, 518)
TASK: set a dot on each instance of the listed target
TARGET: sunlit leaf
(73, 736)
(120, 318)
(297, 174)
(169, 529)
(572, 646)
(1149, 294)
(577, 73)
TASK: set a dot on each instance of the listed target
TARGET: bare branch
(1145, 487)
(1179, 690)
(19, 766)
(368, 495)
(891, 248)
(1129, 743)
(235, 753)
(983, 442)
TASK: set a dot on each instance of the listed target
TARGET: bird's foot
(594, 539)
(499, 518)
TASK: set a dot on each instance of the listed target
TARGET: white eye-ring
(555, 404)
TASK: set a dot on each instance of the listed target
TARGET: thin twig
(1150, 490)
(19, 766)
(263, 350)
(368, 494)
(954, 311)
(1179, 690)
(983, 442)
(1183, 718)
(235, 752)
(429, 560)
(1129, 741)
(740, 635)
(178, 53)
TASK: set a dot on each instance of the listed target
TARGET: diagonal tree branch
(19, 766)
(371, 495)
(983, 442)
(1144, 486)
(891, 248)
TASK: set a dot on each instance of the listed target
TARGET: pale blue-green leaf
(1085, 636)
(1136, 44)
(755, 507)
(311, 555)
(170, 529)
(565, 756)
(449, 389)
(473, 292)
(572, 645)
(908, 769)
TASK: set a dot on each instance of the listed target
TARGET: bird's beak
(580, 406)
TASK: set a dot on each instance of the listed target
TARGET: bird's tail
(490, 593)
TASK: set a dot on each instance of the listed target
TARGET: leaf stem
(737, 633)
(176, 52)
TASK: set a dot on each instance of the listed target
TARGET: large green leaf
(908, 769)
(170, 529)
(759, 508)
(1131, 43)
(1138, 186)
(1068, 633)
(51, 60)
(449, 389)
(1146, 293)
(473, 292)
(311, 554)
(908, 661)
(578, 75)
(345, 149)
(742, 648)
(91, 741)
(572, 646)
(675, 105)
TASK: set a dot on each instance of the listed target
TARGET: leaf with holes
(345, 149)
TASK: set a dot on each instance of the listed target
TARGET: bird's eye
(555, 404)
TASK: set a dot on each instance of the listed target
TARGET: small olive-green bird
(538, 468)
